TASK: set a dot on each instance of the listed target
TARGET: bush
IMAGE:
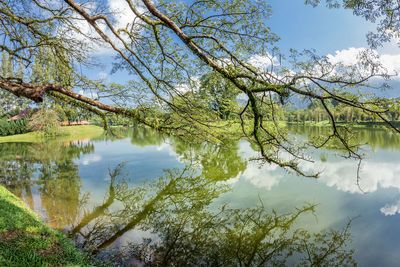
(12, 127)
(45, 121)
(20, 126)
(18, 129)
(3, 127)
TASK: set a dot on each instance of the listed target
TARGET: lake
(149, 199)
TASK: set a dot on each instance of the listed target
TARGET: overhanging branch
(37, 92)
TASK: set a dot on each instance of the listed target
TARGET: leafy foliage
(45, 121)
(13, 127)
(9, 103)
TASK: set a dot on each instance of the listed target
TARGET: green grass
(26, 241)
(313, 123)
(68, 133)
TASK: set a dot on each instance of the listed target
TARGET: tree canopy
(180, 52)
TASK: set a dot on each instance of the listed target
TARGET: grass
(312, 123)
(68, 133)
(26, 241)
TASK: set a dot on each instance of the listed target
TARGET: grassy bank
(26, 241)
(68, 133)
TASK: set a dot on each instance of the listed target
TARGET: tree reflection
(373, 137)
(139, 135)
(216, 161)
(50, 170)
(16, 176)
(59, 186)
(182, 223)
(187, 229)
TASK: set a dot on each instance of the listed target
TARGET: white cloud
(88, 159)
(88, 94)
(264, 176)
(352, 55)
(392, 63)
(165, 146)
(122, 13)
(342, 175)
(121, 17)
(390, 210)
(193, 85)
(103, 76)
(262, 62)
(395, 36)
(346, 57)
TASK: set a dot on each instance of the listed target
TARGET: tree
(219, 93)
(45, 121)
(9, 103)
(166, 45)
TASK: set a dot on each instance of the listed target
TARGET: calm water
(155, 200)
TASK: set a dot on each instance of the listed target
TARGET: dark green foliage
(220, 94)
(13, 127)
(3, 127)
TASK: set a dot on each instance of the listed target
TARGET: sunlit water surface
(152, 199)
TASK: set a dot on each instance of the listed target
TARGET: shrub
(12, 127)
(24, 124)
(19, 126)
(45, 121)
(3, 127)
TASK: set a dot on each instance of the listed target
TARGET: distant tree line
(316, 113)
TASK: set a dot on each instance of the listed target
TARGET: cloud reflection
(390, 210)
(337, 172)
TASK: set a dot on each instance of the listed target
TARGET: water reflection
(217, 161)
(390, 210)
(48, 169)
(186, 231)
(181, 217)
(172, 219)
(372, 137)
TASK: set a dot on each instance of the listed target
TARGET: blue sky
(327, 30)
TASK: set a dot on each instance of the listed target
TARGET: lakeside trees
(167, 45)
(315, 113)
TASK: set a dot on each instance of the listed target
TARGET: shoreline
(69, 133)
(25, 240)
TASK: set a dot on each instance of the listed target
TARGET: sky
(326, 30)
(334, 32)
